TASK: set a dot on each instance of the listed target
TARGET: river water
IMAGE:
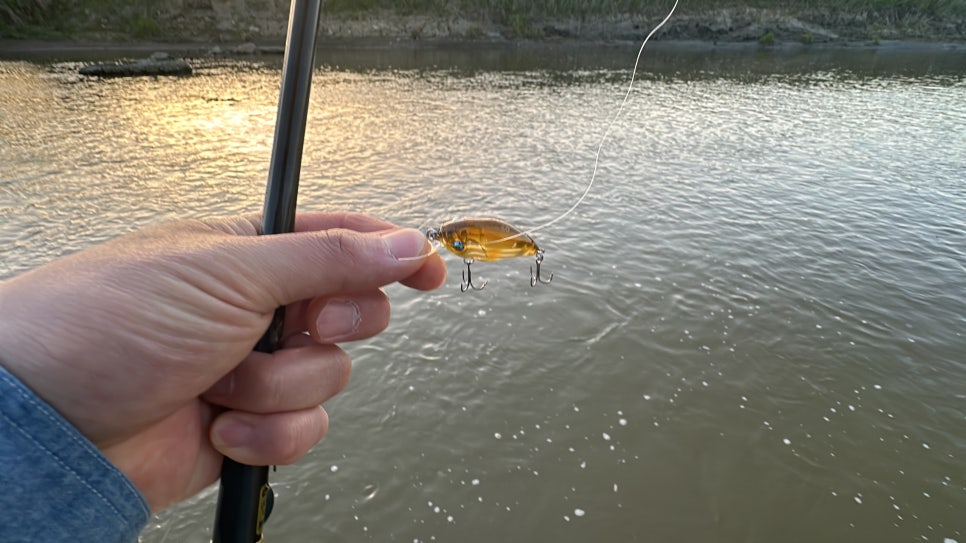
(755, 330)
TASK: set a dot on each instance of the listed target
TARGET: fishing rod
(244, 498)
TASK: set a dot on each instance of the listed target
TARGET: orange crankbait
(486, 240)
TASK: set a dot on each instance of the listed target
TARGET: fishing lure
(492, 239)
(487, 240)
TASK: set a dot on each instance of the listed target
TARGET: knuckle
(345, 250)
(345, 372)
(301, 436)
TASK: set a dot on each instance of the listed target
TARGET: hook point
(535, 277)
(468, 278)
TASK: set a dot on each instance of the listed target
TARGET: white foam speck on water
(579, 512)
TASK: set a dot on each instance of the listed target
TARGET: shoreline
(18, 49)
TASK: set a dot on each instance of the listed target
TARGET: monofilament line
(603, 139)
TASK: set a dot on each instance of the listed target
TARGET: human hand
(145, 343)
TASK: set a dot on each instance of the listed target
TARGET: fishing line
(490, 233)
(603, 139)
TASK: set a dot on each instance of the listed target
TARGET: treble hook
(535, 278)
(468, 278)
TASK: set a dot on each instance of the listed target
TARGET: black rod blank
(244, 498)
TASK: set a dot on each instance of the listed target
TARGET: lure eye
(458, 245)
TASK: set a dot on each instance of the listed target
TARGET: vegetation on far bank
(729, 20)
(579, 8)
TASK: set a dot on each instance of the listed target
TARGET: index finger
(251, 225)
(314, 221)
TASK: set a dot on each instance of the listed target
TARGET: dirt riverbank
(205, 24)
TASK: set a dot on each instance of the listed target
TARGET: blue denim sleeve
(54, 484)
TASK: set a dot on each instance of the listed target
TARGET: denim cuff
(54, 483)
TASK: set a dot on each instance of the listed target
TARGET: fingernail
(232, 434)
(406, 243)
(338, 319)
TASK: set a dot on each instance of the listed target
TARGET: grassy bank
(724, 20)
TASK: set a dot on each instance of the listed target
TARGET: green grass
(143, 27)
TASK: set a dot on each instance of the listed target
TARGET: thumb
(303, 265)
